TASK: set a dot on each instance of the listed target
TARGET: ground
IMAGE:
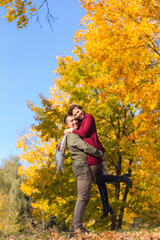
(137, 234)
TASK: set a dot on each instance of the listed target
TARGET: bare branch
(152, 45)
(49, 17)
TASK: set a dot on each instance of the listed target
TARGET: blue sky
(27, 62)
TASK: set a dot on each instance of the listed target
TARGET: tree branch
(113, 125)
(50, 18)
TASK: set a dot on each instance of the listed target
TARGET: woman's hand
(66, 131)
(104, 157)
(57, 146)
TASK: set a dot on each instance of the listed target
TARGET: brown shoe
(72, 234)
(83, 230)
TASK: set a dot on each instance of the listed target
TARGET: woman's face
(78, 113)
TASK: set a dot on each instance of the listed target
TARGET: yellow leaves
(122, 39)
(17, 10)
(71, 180)
(115, 78)
(42, 205)
(32, 10)
(26, 189)
(20, 170)
(7, 7)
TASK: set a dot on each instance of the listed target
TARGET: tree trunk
(114, 221)
(124, 199)
(120, 130)
(120, 219)
(114, 217)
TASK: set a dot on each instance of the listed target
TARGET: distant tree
(14, 204)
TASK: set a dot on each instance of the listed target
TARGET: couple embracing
(88, 158)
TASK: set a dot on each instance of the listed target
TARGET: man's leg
(84, 179)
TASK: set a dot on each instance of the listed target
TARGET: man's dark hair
(72, 107)
(66, 118)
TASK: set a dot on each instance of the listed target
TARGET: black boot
(124, 178)
(104, 197)
(106, 210)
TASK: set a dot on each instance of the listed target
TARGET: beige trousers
(84, 179)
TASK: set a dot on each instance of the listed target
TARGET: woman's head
(76, 111)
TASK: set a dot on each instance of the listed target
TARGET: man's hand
(66, 131)
(104, 157)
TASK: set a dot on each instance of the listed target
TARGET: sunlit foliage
(115, 77)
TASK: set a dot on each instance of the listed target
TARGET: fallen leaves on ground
(142, 234)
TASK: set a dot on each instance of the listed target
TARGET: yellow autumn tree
(115, 77)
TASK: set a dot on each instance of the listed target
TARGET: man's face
(72, 122)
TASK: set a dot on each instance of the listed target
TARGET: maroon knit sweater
(88, 132)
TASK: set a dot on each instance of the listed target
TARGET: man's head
(71, 122)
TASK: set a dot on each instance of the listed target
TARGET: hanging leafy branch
(22, 11)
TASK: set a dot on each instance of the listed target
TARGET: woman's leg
(101, 179)
(96, 171)
(114, 178)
